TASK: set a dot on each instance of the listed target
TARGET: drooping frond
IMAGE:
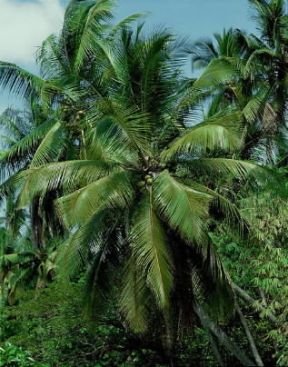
(253, 110)
(134, 299)
(112, 191)
(184, 208)
(68, 175)
(88, 238)
(226, 206)
(21, 150)
(152, 255)
(19, 81)
(249, 172)
(225, 166)
(218, 72)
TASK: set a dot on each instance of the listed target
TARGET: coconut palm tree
(69, 82)
(261, 70)
(270, 58)
(231, 78)
(135, 200)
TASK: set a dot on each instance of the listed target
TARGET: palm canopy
(250, 72)
(132, 198)
(71, 79)
(69, 82)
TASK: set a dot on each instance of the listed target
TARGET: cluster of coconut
(80, 114)
(148, 180)
(71, 115)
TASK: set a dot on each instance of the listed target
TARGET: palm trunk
(37, 224)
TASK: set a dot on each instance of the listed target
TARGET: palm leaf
(89, 237)
(69, 175)
(50, 147)
(112, 191)
(218, 72)
(134, 298)
(225, 166)
(87, 27)
(184, 208)
(151, 253)
(222, 131)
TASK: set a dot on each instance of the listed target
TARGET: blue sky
(25, 23)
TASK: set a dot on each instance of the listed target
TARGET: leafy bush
(53, 327)
(12, 356)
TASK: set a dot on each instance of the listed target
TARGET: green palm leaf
(150, 249)
(51, 146)
(74, 253)
(184, 208)
(112, 191)
(222, 131)
(90, 29)
(226, 166)
(134, 298)
(218, 72)
(69, 175)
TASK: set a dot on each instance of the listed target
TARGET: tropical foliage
(138, 197)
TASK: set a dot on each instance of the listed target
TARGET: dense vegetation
(144, 212)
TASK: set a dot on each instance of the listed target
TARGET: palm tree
(134, 200)
(22, 266)
(231, 78)
(254, 70)
(271, 49)
(270, 58)
(69, 83)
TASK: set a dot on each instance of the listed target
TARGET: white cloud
(24, 25)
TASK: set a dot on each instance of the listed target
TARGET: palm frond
(19, 81)
(50, 147)
(112, 191)
(134, 299)
(73, 254)
(152, 256)
(226, 166)
(185, 209)
(222, 131)
(218, 72)
(68, 175)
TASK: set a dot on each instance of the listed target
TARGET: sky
(24, 24)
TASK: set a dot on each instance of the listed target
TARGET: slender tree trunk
(250, 338)
(36, 223)
(222, 337)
